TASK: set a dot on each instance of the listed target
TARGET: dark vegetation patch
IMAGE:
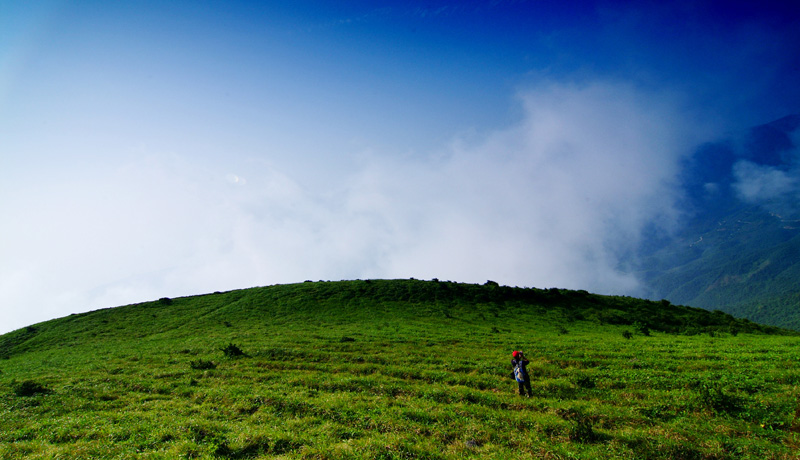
(582, 428)
(232, 351)
(29, 388)
(201, 364)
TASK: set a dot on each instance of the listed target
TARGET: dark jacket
(521, 363)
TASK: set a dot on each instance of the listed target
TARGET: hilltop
(398, 369)
(432, 302)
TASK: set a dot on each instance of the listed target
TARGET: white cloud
(757, 183)
(777, 188)
(235, 179)
(551, 201)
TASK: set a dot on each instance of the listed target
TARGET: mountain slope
(740, 252)
(398, 369)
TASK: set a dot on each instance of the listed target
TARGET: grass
(395, 369)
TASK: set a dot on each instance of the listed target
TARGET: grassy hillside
(783, 309)
(745, 263)
(398, 369)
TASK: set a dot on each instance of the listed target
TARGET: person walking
(519, 362)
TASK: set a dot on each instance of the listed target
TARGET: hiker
(519, 362)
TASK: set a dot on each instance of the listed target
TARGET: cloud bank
(775, 187)
(557, 199)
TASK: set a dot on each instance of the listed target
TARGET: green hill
(398, 369)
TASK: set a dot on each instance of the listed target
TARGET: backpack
(518, 373)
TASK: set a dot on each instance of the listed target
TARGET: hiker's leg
(528, 386)
(521, 388)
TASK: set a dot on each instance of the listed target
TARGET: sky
(164, 149)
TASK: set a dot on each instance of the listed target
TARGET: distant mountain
(740, 249)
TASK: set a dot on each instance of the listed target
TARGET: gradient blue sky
(152, 149)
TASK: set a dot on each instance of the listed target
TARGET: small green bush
(583, 429)
(627, 334)
(200, 364)
(714, 397)
(643, 328)
(29, 388)
(232, 351)
(586, 381)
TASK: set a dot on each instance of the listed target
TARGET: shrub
(202, 364)
(715, 398)
(284, 446)
(347, 339)
(252, 449)
(232, 351)
(627, 334)
(643, 328)
(29, 388)
(586, 382)
(795, 426)
(583, 430)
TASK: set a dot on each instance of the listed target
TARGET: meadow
(399, 369)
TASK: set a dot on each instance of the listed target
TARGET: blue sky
(152, 149)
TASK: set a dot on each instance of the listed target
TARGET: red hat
(515, 354)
